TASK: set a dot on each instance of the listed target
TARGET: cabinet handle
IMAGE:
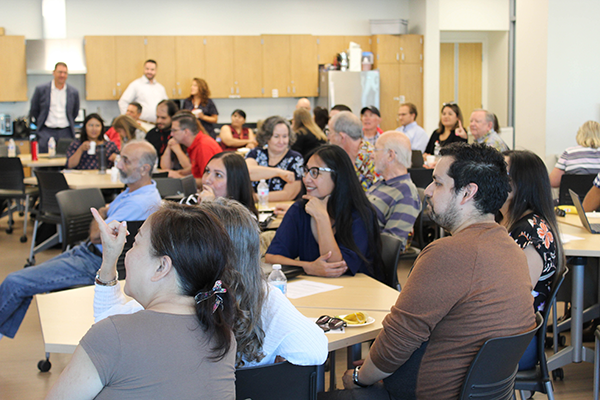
(294, 90)
(397, 57)
(237, 90)
(231, 90)
(402, 56)
(114, 92)
(288, 89)
(174, 92)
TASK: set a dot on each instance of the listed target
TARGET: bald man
(395, 197)
(303, 103)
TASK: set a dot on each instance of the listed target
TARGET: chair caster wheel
(21, 213)
(44, 365)
(23, 239)
(29, 263)
(558, 374)
(9, 230)
(562, 340)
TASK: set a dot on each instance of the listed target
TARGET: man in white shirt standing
(146, 91)
(54, 107)
(407, 114)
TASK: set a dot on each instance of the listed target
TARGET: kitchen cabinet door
(328, 47)
(304, 66)
(247, 66)
(276, 56)
(386, 49)
(100, 80)
(389, 97)
(411, 87)
(130, 54)
(411, 49)
(189, 61)
(13, 72)
(162, 50)
(219, 65)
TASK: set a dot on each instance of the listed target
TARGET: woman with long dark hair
(334, 229)
(78, 156)
(451, 120)
(528, 215)
(200, 104)
(181, 345)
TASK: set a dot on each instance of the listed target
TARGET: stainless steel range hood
(43, 54)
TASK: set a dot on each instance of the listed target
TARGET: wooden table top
(42, 161)
(85, 179)
(571, 225)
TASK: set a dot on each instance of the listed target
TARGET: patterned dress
(91, 161)
(535, 231)
(365, 166)
(292, 161)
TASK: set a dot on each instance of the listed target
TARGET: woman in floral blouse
(528, 215)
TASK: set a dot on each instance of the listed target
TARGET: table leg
(354, 354)
(332, 382)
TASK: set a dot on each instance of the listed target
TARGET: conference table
(85, 179)
(43, 161)
(576, 352)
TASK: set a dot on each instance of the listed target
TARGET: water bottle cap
(276, 266)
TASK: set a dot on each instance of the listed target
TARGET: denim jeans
(75, 267)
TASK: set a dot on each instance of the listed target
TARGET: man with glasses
(345, 130)
(395, 197)
(407, 114)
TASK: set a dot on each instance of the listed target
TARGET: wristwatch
(103, 283)
(355, 377)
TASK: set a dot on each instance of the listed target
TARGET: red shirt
(201, 150)
(113, 136)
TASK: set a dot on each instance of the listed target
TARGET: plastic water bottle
(278, 279)
(12, 148)
(263, 194)
(436, 148)
(52, 147)
(101, 159)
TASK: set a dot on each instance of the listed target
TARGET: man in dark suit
(54, 107)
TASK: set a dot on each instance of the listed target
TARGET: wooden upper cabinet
(276, 57)
(189, 60)
(304, 65)
(162, 50)
(218, 53)
(13, 71)
(100, 81)
(130, 54)
(328, 47)
(247, 66)
(386, 49)
(411, 49)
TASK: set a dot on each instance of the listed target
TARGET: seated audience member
(181, 345)
(395, 197)
(591, 202)
(338, 108)
(124, 129)
(200, 147)
(321, 117)
(582, 159)
(203, 108)
(226, 176)
(274, 161)
(463, 289)
(333, 199)
(528, 215)
(78, 266)
(303, 103)
(267, 324)
(371, 118)
(160, 135)
(451, 119)
(308, 135)
(134, 110)
(407, 115)
(482, 128)
(236, 135)
(78, 156)
(345, 130)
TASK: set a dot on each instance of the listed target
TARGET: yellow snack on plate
(357, 318)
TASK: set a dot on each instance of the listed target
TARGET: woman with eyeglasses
(451, 120)
(334, 229)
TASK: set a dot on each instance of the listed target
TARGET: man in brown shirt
(464, 289)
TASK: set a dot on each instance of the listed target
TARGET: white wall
(22, 17)
(573, 78)
(473, 15)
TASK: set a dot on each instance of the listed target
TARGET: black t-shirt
(209, 109)
(435, 136)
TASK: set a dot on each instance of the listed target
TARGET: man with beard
(146, 91)
(79, 265)
(463, 290)
(160, 135)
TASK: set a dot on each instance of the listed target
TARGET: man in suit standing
(54, 107)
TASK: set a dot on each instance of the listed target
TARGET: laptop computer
(592, 228)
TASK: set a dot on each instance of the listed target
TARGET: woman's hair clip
(217, 288)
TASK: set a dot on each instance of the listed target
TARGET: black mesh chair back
(491, 375)
(421, 177)
(189, 185)
(163, 174)
(277, 381)
(75, 213)
(63, 145)
(169, 187)
(12, 175)
(580, 184)
(50, 183)
(538, 378)
(390, 255)
(132, 227)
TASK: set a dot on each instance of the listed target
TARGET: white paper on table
(303, 288)
(592, 214)
(566, 238)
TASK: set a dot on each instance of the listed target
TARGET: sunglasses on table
(328, 323)
(315, 171)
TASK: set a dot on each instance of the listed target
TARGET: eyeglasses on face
(328, 323)
(315, 171)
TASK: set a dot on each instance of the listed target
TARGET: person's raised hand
(460, 131)
(113, 237)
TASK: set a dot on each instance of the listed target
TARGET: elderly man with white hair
(395, 197)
